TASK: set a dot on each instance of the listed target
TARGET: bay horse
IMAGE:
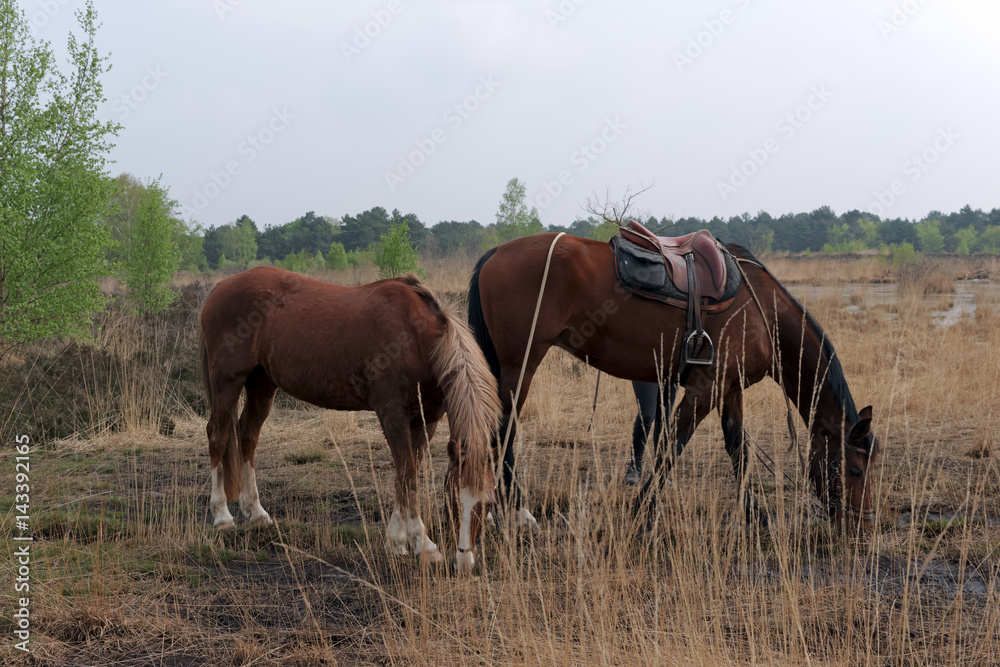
(390, 346)
(585, 310)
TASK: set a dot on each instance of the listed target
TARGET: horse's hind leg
(220, 439)
(692, 409)
(260, 397)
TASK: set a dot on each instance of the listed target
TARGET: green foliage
(191, 245)
(236, 242)
(846, 237)
(966, 239)
(361, 258)
(869, 232)
(310, 232)
(148, 256)
(929, 234)
(457, 238)
(395, 256)
(336, 258)
(302, 261)
(989, 240)
(361, 231)
(854, 246)
(514, 218)
(53, 181)
(605, 230)
(902, 255)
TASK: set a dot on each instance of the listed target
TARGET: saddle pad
(642, 272)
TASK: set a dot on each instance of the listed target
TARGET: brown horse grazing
(586, 311)
(389, 346)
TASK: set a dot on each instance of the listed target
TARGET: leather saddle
(709, 263)
(697, 268)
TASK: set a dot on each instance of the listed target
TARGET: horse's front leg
(736, 446)
(508, 490)
(406, 528)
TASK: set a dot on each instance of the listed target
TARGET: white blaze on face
(464, 557)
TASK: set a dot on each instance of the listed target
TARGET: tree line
(822, 230)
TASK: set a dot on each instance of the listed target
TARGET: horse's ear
(866, 413)
(860, 428)
(452, 450)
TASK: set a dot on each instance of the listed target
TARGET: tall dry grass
(130, 571)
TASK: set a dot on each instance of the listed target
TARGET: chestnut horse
(389, 346)
(586, 311)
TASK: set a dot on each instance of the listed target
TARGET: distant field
(127, 569)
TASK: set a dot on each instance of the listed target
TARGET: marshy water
(962, 299)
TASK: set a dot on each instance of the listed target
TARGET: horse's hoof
(432, 556)
(528, 521)
(261, 520)
(223, 526)
(398, 549)
(633, 474)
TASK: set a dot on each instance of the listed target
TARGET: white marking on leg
(525, 520)
(422, 545)
(465, 558)
(250, 499)
(217, 501)
(395, 534)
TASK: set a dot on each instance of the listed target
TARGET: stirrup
(696, 339)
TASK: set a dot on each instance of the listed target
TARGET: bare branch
(610, 210)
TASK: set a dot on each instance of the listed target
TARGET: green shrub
(902, 255)
(336, 258)
(395, 255)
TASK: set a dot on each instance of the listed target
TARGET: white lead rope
(524, 363)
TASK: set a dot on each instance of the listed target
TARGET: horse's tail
(477, 321)
(470, 392)
(232, 457)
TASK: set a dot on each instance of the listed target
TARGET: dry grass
(127, 569)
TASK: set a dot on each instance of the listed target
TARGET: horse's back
(312, 338)
(268, 294)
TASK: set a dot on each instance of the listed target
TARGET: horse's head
(849, 494)
(466, 509)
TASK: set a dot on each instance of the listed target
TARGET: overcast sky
(721, 107)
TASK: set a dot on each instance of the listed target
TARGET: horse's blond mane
(470, 390)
